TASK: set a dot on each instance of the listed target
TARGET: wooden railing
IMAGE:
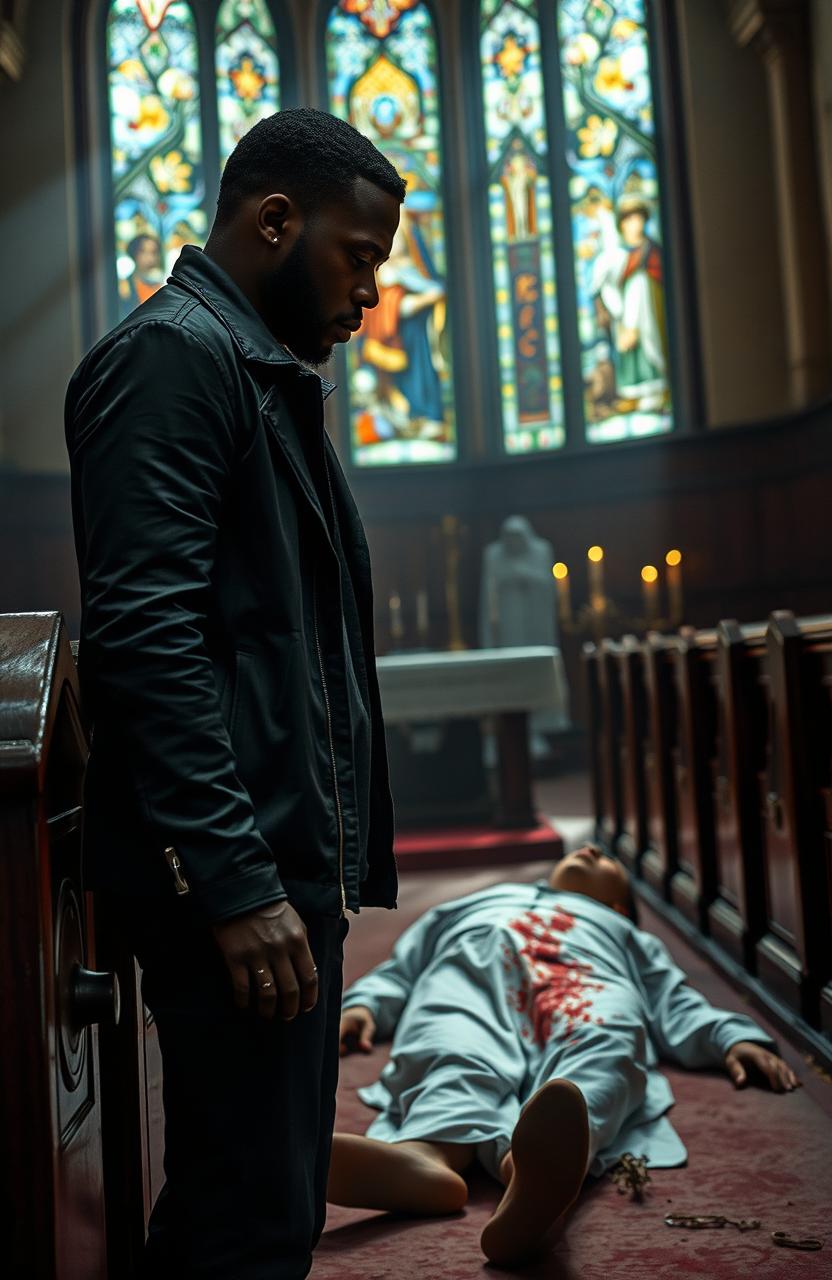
(711, 758)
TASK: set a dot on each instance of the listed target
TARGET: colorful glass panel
(383, 78)
(248, 72)
(614, 197)
(155, 141)
(520, 217)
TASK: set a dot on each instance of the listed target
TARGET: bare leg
(402, 1177)
(544, 1171)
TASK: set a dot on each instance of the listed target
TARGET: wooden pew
(604, 702)
(794, 956)
(659, 863)
(736, 916)
(692, 742)
(592, 695)
(51, 997)
(633, 838)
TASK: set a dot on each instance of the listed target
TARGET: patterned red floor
(751, 1155)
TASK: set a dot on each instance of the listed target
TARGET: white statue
(518, 607)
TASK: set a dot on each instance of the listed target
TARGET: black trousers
(249, 1107)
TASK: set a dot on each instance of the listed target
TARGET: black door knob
(95, 997)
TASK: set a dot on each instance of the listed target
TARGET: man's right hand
(358, 1028)
(268, 957)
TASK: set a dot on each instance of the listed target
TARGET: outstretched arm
(686, 1028)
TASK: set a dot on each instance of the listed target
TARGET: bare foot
(549, 1152)
(402, 1177)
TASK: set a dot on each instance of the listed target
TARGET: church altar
(474, 682)
(506, 685)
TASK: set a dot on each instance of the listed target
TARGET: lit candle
(561, 576)
(650, 589)
(595, 556)
(422, 622)
(673, 560)
(396, 623)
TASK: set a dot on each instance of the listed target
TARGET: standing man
(237, 802)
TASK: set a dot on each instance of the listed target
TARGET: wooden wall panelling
(659, 861)
(693, 746)
(633, 838)
(736, 915)
(790, 955)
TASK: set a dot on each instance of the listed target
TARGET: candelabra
(600, 617)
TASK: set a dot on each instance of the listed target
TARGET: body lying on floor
(527, 1023)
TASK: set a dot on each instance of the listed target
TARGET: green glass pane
(247, 68)
(614, 197)
(383, 78)
(520, 220)
(155, 142)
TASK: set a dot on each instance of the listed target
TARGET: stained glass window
(616, 231)
(383, 78)
(520, 221)
(247, 69)
(156, 141)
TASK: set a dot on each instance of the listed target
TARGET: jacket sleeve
(152, 439)
(386, 989)
(683, 1025)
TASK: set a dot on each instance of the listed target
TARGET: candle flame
(673, 558)
(595, 554)
(560, 570)
(649, 573)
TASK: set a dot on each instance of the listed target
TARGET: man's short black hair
(308, 154)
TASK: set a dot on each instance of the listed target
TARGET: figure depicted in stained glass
(629, 308)
(614, 190)
(520, 215)
(142, 272)
(382, 64)
(406, 396)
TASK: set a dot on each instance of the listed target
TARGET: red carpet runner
(751, 1155)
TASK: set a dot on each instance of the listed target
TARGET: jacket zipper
(179, 882)
(331, 749)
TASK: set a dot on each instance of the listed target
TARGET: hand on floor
(358, 1028)
(745, 1056)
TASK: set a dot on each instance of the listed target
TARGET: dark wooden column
(515, 808)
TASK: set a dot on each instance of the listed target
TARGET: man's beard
(295, 310)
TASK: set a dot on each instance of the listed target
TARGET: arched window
(520, 223)
(383, 77)
(568, 99)
(610, 141)
(173, 116)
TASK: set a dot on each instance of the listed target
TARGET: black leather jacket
(221, 601)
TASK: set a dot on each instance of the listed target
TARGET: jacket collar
(199, 274)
